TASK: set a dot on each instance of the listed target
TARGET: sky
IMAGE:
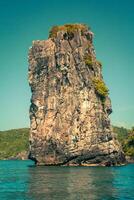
(22, 21)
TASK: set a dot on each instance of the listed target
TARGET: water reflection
(71, 183)
(19, 181)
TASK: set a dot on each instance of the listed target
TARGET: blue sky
(22, 21)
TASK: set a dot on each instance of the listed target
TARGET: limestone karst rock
(70, 107)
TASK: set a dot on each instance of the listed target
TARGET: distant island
(14, 144)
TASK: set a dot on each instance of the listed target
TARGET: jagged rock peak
(70, 107)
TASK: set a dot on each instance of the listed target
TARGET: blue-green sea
(22, 180)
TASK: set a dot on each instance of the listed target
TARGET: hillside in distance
(126, 139)
(14, 143)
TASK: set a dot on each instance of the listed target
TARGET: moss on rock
(88, 60)
(100, 87)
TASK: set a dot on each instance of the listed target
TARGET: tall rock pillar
(70, 107)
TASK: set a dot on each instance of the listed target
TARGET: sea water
(21, 180)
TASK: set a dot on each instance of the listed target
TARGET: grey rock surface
(69, 119)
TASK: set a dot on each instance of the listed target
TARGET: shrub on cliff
(69, 28)
(88, 60)
(100, 88)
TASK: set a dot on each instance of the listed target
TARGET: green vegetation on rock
(100, 88)
(69, 28)
(88, 60)
(13, 142)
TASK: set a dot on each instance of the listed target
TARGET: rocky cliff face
(70, 107)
